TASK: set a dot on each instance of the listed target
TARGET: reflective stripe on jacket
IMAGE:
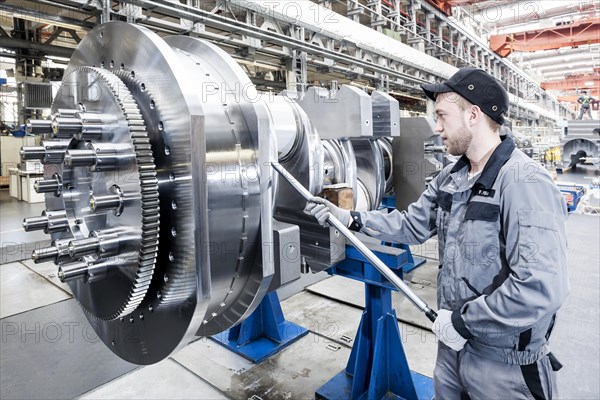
(502, 246)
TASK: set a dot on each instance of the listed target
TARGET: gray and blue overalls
(503, 272)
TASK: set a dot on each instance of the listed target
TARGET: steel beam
(576, 34)
(590, 81)
(50, 50)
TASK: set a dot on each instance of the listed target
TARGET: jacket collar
(498, 158)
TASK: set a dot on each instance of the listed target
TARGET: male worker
(585, 102)
(500, 222)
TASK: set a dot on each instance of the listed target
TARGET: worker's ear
(473, 115)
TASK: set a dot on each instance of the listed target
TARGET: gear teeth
(148, 190)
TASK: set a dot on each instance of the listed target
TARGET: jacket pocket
(539, 240)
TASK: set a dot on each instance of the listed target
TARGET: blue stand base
(263, 333)
(377, 368)
(340, 387)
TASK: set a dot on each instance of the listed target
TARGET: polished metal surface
(168, 136)
(345, 113)
(370, 174)
(167, 219)
(385, 144)
(415, 161)
(386, 115)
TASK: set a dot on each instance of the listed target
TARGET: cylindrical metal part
(52, 185)
(80, 158)
(35, 223)
(57, 221)
(72, 271)
(92, 125)
(32, 153)
(111, 156)
(65, 128)
(55, 151)
(67, 112)
(109, 241)
(83, 247)
(45, 254)
(39, 126)
(104, 203)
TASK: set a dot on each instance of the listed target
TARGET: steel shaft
(360, 246)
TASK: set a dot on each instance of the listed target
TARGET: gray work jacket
(502, 246)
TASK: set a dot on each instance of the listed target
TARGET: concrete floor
(48, 349)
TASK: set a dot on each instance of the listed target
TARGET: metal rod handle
(360, 246)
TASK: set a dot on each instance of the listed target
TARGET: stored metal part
(581, 144)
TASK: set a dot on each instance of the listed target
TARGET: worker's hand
(445, 332)
(320, 209)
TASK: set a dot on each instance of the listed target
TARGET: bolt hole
(143, 87)
(172, 177)
(133, 74)
(112, 64)
(161, 126)
(171, 256)
(131, 319)
(165, 278)
(174, 205)
(122, 67)
(158, 295)
(152, 104)
(167, 150)
(141, 316)
(150, 308)
(173, 232)
(102, 64)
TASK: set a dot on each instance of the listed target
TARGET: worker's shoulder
(524, 172)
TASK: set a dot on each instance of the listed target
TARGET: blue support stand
(263, 333)
(377, 368)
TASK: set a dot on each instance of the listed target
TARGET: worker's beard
(458, 145)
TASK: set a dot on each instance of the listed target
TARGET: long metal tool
(360, 246)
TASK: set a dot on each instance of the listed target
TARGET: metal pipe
(360, 246)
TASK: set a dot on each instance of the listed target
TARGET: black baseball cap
(476, 86)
